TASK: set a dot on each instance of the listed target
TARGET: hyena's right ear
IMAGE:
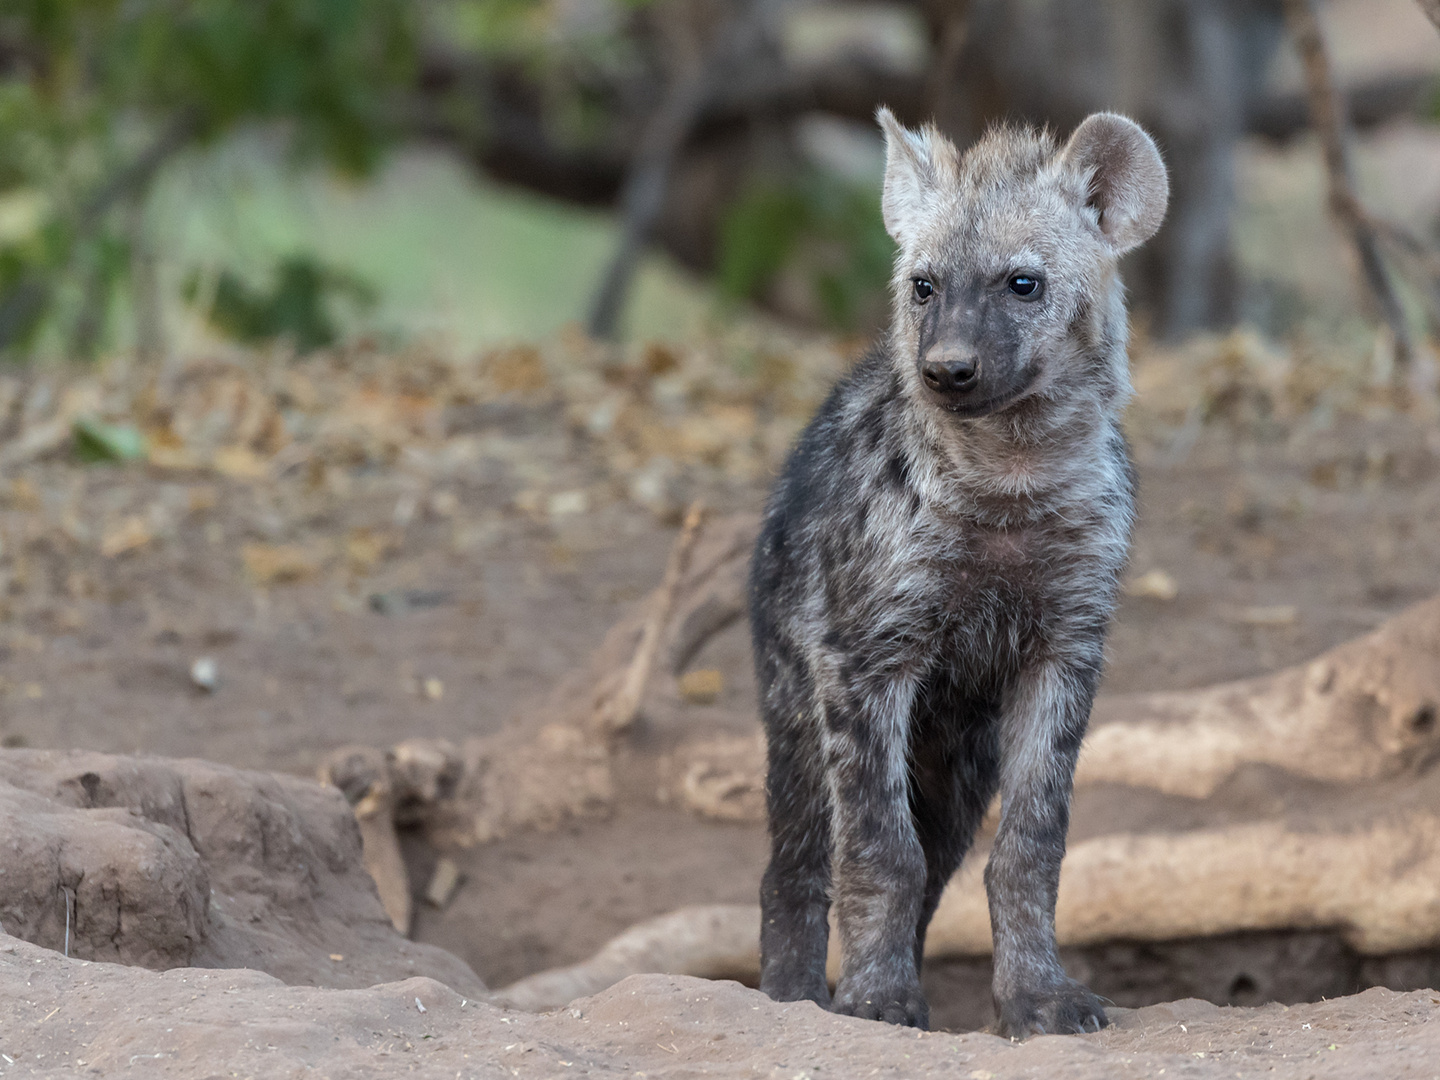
(915, 162)
(1129, 189)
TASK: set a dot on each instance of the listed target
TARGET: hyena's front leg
(878, 864)
(795, 891)
(1042, 723)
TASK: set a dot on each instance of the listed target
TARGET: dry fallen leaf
(516, 370)
(130, 535)
(364, 549)
(702, 687)
(239, 463)
(278, 564)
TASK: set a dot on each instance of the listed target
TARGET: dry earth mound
(166, 864)
(59, 1016)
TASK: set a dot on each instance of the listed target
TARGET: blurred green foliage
(296, 307)
(824, 228)
(97, 441)
(97, 96)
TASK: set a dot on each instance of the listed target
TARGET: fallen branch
(1375, 877)
(363, 776)
(1365, 710)
(711, 941)
(616, 712)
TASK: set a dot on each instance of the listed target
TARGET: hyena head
(1005, 283)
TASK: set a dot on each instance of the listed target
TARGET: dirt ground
(61, 1017)
(432, 570)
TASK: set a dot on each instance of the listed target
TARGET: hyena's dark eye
(923, 289)
(1025, 286)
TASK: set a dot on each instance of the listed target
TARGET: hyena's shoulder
(850, 438)
(818, 515)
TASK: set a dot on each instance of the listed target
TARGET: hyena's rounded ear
(916, 163)
(1129, 189)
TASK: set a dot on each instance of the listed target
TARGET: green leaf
(97, 441)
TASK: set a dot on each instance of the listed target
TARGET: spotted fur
(935, 573)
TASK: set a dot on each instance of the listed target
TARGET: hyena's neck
(1035, 459)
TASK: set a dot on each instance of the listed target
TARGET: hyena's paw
(1066, 1008)
(781, 985)
(895, 1004)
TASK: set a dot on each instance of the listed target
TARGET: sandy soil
(60, 1017)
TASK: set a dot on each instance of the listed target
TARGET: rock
(109, 1020)
(176, 863)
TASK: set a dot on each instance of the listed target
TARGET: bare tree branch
(643, 195)
(29, 297)
(1327, 109)
(1431, 8)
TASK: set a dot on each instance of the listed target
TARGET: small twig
(69, 895)
(617, 712)
(1327, 108)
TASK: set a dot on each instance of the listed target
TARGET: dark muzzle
(950, 376)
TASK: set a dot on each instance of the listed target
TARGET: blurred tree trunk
(696, 81)
(1327, 108)
(1189, 70)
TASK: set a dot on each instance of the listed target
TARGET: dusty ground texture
(63, 1017)
(374, 547)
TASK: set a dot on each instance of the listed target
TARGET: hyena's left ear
(1128, 186)
(916, 164)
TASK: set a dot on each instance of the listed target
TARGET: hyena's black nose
(949, 375)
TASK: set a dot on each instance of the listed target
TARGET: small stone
(566, 503)
(432, 688)
(1153, 585)
(205, 674)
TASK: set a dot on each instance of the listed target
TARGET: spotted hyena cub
(937, 566)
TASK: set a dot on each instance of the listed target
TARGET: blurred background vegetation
(307, 170)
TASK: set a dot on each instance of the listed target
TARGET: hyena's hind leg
(954, 773)
(795, 891)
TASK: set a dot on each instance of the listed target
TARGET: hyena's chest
(979, 589)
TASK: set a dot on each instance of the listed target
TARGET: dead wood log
(710, 941)
(553, 763)
(1373, 874)
(363, 775)
(1354, 846)
(1365, 710)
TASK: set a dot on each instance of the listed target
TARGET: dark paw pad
(1064, 1009)
(905, 1006)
